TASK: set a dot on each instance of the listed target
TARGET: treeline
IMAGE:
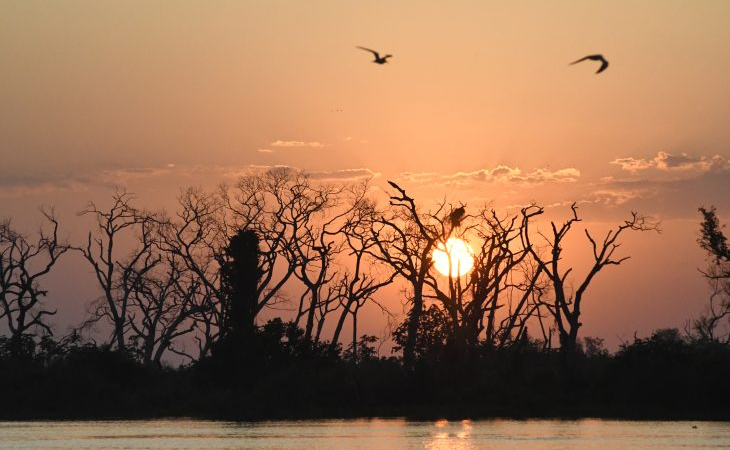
(274, 375)
(500, 339)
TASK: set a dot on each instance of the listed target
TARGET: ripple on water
(365, 434)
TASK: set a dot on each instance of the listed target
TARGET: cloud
(667, 162)
(311, 144)
(265, 150)
(14, 185)
(499, 174)
(632, 164)
(343, 174)
(670, 193)
(615, 197)
(419, 177)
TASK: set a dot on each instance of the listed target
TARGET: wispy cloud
(499, 174)
(265, 150)
(18, 185)
(615, 197)
(344, 174)
(310, 144)
(667, 162)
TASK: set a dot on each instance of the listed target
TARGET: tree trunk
(310, 317)
(354, 336)
(413, 321)
(340, 324)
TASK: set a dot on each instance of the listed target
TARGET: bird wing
(377, 56)
(580, 60)
(604, 65)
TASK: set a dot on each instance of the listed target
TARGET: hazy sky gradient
(478, 103)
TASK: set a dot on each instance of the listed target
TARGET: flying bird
(456, 216)
(378, 59)
(604, 63)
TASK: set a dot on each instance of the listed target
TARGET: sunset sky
(478, 104)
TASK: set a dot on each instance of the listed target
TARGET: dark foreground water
(375, 434)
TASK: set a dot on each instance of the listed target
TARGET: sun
(462, 257)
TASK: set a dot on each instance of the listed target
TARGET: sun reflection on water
(451, 436)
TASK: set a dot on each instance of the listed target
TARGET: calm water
(376, 434)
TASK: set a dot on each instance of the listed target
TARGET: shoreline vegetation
(663, 377)
(501, 339)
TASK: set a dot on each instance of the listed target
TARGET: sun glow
(461, 256)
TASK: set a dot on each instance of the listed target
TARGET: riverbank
(662, 377)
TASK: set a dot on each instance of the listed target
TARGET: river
(365, 434)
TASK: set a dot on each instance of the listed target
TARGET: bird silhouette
(456, 216)
(604, 63)
(378, 59)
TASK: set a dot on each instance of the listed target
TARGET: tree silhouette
(405, 239)
(566, 304)
(433, 333)
(23, 263)
(240, 276)
(164, 304)
(149, 296)
(358, 284)
(117, 275)
(285, 208)
(495, 283)
(195, 235)
(713, 241)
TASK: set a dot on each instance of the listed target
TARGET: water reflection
(365, 434)
(451, 436)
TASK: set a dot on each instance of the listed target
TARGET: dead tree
(404, 241)
(329, 238)
(314, 252)
(118, 273)
(526, 307)
(195, 238)
(288, 213)
(23, 263)
(359, 283)
(566, 304)
(472, 301)
(163, 306)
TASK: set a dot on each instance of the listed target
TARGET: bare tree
(286, 210)
(280, 205)
(404, 241)
(23, 263)
(359, 284)
(118, 273)
(300, 223)
(472, 302)
(314, 252)
(195, 238)
(164, 305)
(152, 294)
(566, 304)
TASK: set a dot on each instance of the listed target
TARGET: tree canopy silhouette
(240, 276)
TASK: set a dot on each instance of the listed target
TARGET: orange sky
(478, 103)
